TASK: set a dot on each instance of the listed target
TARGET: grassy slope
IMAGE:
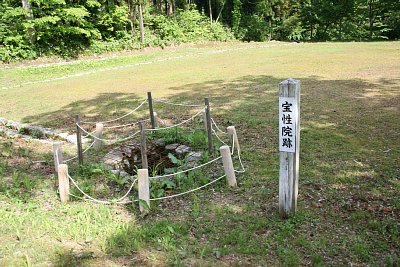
(349, 180)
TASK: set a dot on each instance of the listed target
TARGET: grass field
(349, 189)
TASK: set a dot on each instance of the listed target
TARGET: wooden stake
(98, 144)
(152, 119)
(79, 139)
(233, 135)
(144, 190)
(57, 155)
(143, 146)
(209, 129)
(63, 182)
(155, 120)
(205, 120)
(228, 166)
(289, 161)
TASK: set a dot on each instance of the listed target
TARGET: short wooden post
(152, 119)
(155, 120)
(289, 146)
(205, 120)
(233, 136)
(98, 144)
(63, 182)
(143, 146)
(79, 139)
(228, 166)
(144, 190)
(57, 155)
(209, 129)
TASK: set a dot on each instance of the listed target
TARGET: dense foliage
(32, 28)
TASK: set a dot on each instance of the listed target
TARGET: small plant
(6, 149)
(23, 152)
(36, 133)
(118, 179)
(195, 207)
(198, 139)
(20, 187)
(170, 136)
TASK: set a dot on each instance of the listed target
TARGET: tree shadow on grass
(345, 133)
(103, 107)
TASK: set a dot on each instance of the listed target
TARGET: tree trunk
(29, 16)
(141, 26)
(210, 10)
(132, 17)
(270, 29)
(311, 30)
(371, 18)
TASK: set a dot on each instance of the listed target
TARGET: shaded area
(103, 107)
(349, 190)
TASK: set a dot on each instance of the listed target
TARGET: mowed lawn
(349, 189)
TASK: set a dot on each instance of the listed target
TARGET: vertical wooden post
(63, 182)
(57, 155)
(150, 100)
(209, 129)
(233, 135)
(144, 190)
(79, 139)
(228, 166)
(289, 94)
(205, 120)
(155, 120)
(143, 146)
(99, 134)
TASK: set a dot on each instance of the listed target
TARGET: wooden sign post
(289, 146)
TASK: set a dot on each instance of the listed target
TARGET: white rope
(85, 136)
(184, 171)
(124, 125)
(108, 140)
(241, 165)
(127, 114)
(74, 157)
(175, 104)
(216, 126)
(118, 201)
(216, 135)
(190, 191)
(238, 154)
(151, 199)
(176, 125)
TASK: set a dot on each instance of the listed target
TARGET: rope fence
(142, 178)
(116, 119)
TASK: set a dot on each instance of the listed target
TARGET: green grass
(349, 192)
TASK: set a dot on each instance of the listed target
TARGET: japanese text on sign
(287, 124)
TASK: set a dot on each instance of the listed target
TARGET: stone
(171, 146)
(3, 121)
(123, 174)
(115, 157)
(159, 142)
(63, 135)
(182, 149)
(72, 139)
(194, 156)
(13, 125)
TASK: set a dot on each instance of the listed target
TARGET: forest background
(33, 28)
